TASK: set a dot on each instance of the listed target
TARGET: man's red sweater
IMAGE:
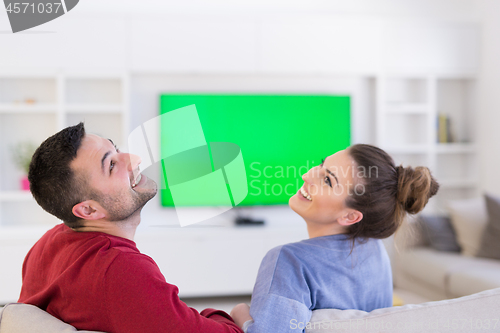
(99, 282)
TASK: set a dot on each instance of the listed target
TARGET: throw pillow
(469, 218)
(490, 244)
(439, 232)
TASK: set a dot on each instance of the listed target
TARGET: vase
(25, 183)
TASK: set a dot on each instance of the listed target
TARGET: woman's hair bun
(415, 187)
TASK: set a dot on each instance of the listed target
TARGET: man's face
(113, 178)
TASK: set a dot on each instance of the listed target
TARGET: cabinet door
(204, 267)
(13, 250)
(214, 263)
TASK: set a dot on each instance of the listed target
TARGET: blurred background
(422, 76)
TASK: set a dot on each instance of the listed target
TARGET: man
(87, 271)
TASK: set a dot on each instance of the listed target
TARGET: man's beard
(120, 210)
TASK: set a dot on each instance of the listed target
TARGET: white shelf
(407, 108)
(15, 196)
(455, 148)
(28, 108)
(407, 149)
(94, 108)
(458, 183)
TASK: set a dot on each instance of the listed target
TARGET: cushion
(431, 267)
(466, 314)
(490, 242)
(484, 274)
(439, 233)
(26, 318)
(469, 218)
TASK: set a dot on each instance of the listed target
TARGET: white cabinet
(408, 108)
(213, 261)
(199, 261)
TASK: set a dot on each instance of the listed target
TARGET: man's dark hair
(52, 182)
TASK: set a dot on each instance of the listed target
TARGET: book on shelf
(444, 133)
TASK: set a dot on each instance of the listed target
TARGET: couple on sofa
(89, 273)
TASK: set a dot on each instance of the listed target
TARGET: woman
(352, 200)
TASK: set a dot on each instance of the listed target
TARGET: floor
(227, 303)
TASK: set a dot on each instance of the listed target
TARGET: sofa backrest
(474, 313)
(26, 318)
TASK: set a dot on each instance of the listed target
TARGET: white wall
(227, 36)
(410, 8)
(489, 97)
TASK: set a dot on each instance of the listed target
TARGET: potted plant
(21, 154)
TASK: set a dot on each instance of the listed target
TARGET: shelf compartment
(109, 126)
(407, 90)
(15, 196)
(455, 166)
(455, 99)
(406, 130)
(407, 149)
(457, 183)
(456, 148)
(90, 91)
(94, 108)
(26, 213)
(407, 108)
(28, 108)
(412, 160)
(19, 90)
(16, 128)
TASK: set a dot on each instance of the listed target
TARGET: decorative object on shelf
(22, 153)
(30, 101)
(444, 134)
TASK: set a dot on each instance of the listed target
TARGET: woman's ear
(89, 210)
(350, 217)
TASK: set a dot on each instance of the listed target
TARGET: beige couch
(474, 313)
(437, 275)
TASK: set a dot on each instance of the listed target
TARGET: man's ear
(350, 217)
(89, 210)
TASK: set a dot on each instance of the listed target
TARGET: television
(280, 137)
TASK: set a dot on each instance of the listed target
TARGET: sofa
(474, 313)
(439, 257)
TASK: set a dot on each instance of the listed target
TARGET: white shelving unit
(34, 107)
(408, 106)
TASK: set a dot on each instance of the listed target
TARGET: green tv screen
(280, 136)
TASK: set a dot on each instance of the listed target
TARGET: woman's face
(326, 187)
